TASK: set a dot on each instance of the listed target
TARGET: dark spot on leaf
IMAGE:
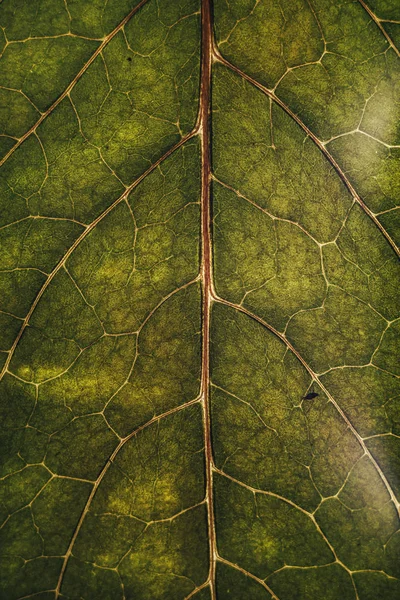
(129, 58)
(310, 396)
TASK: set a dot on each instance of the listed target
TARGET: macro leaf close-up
(199, 299)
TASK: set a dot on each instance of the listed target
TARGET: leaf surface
(199, 314)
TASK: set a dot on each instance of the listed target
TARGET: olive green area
(166, 371)
(388, 14)
(265, 231)
(367, 308)
(266, 38)
(376, 585)
(282, 443)
(323, 583)
(254, 144)
(145, 529)
(256, 530)
(202, 594)
(393, 30)
(332, 66)
(21, 578)
(44, 45)
(115, 339)
(103, 479)
(298, 492)
(140, 96)
(62, 178)
(144, 248)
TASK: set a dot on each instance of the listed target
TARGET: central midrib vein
(206, 271)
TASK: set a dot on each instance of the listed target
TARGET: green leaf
(199, 308)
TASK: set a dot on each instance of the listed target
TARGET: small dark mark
(310, 396)
(129, 58)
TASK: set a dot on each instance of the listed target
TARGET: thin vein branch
(378, 23)
(196, 590)
(248, 574)
(309, 515)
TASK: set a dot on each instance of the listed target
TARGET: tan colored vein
(196, 590)
(311, 516)
(378, 23)
(248, 574)
(206, 272)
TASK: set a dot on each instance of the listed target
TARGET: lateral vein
(68, 89)
(84, 233)
(219, 58)
(101, 477)
(315, 377)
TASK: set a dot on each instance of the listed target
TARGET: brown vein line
(248, 574)
(67, 90)
(206, 266)
(315, 377)
(260, 491)
(378, 23)
(196, 590)
(163, 300)
(88, 229)
(101, 477)
(219, 58)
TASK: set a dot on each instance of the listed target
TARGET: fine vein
(101, 477)
(378, 23)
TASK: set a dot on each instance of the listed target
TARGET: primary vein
(206, 270)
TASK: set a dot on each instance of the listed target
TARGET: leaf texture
(199, 309)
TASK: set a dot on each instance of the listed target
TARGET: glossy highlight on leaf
(199, 307)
